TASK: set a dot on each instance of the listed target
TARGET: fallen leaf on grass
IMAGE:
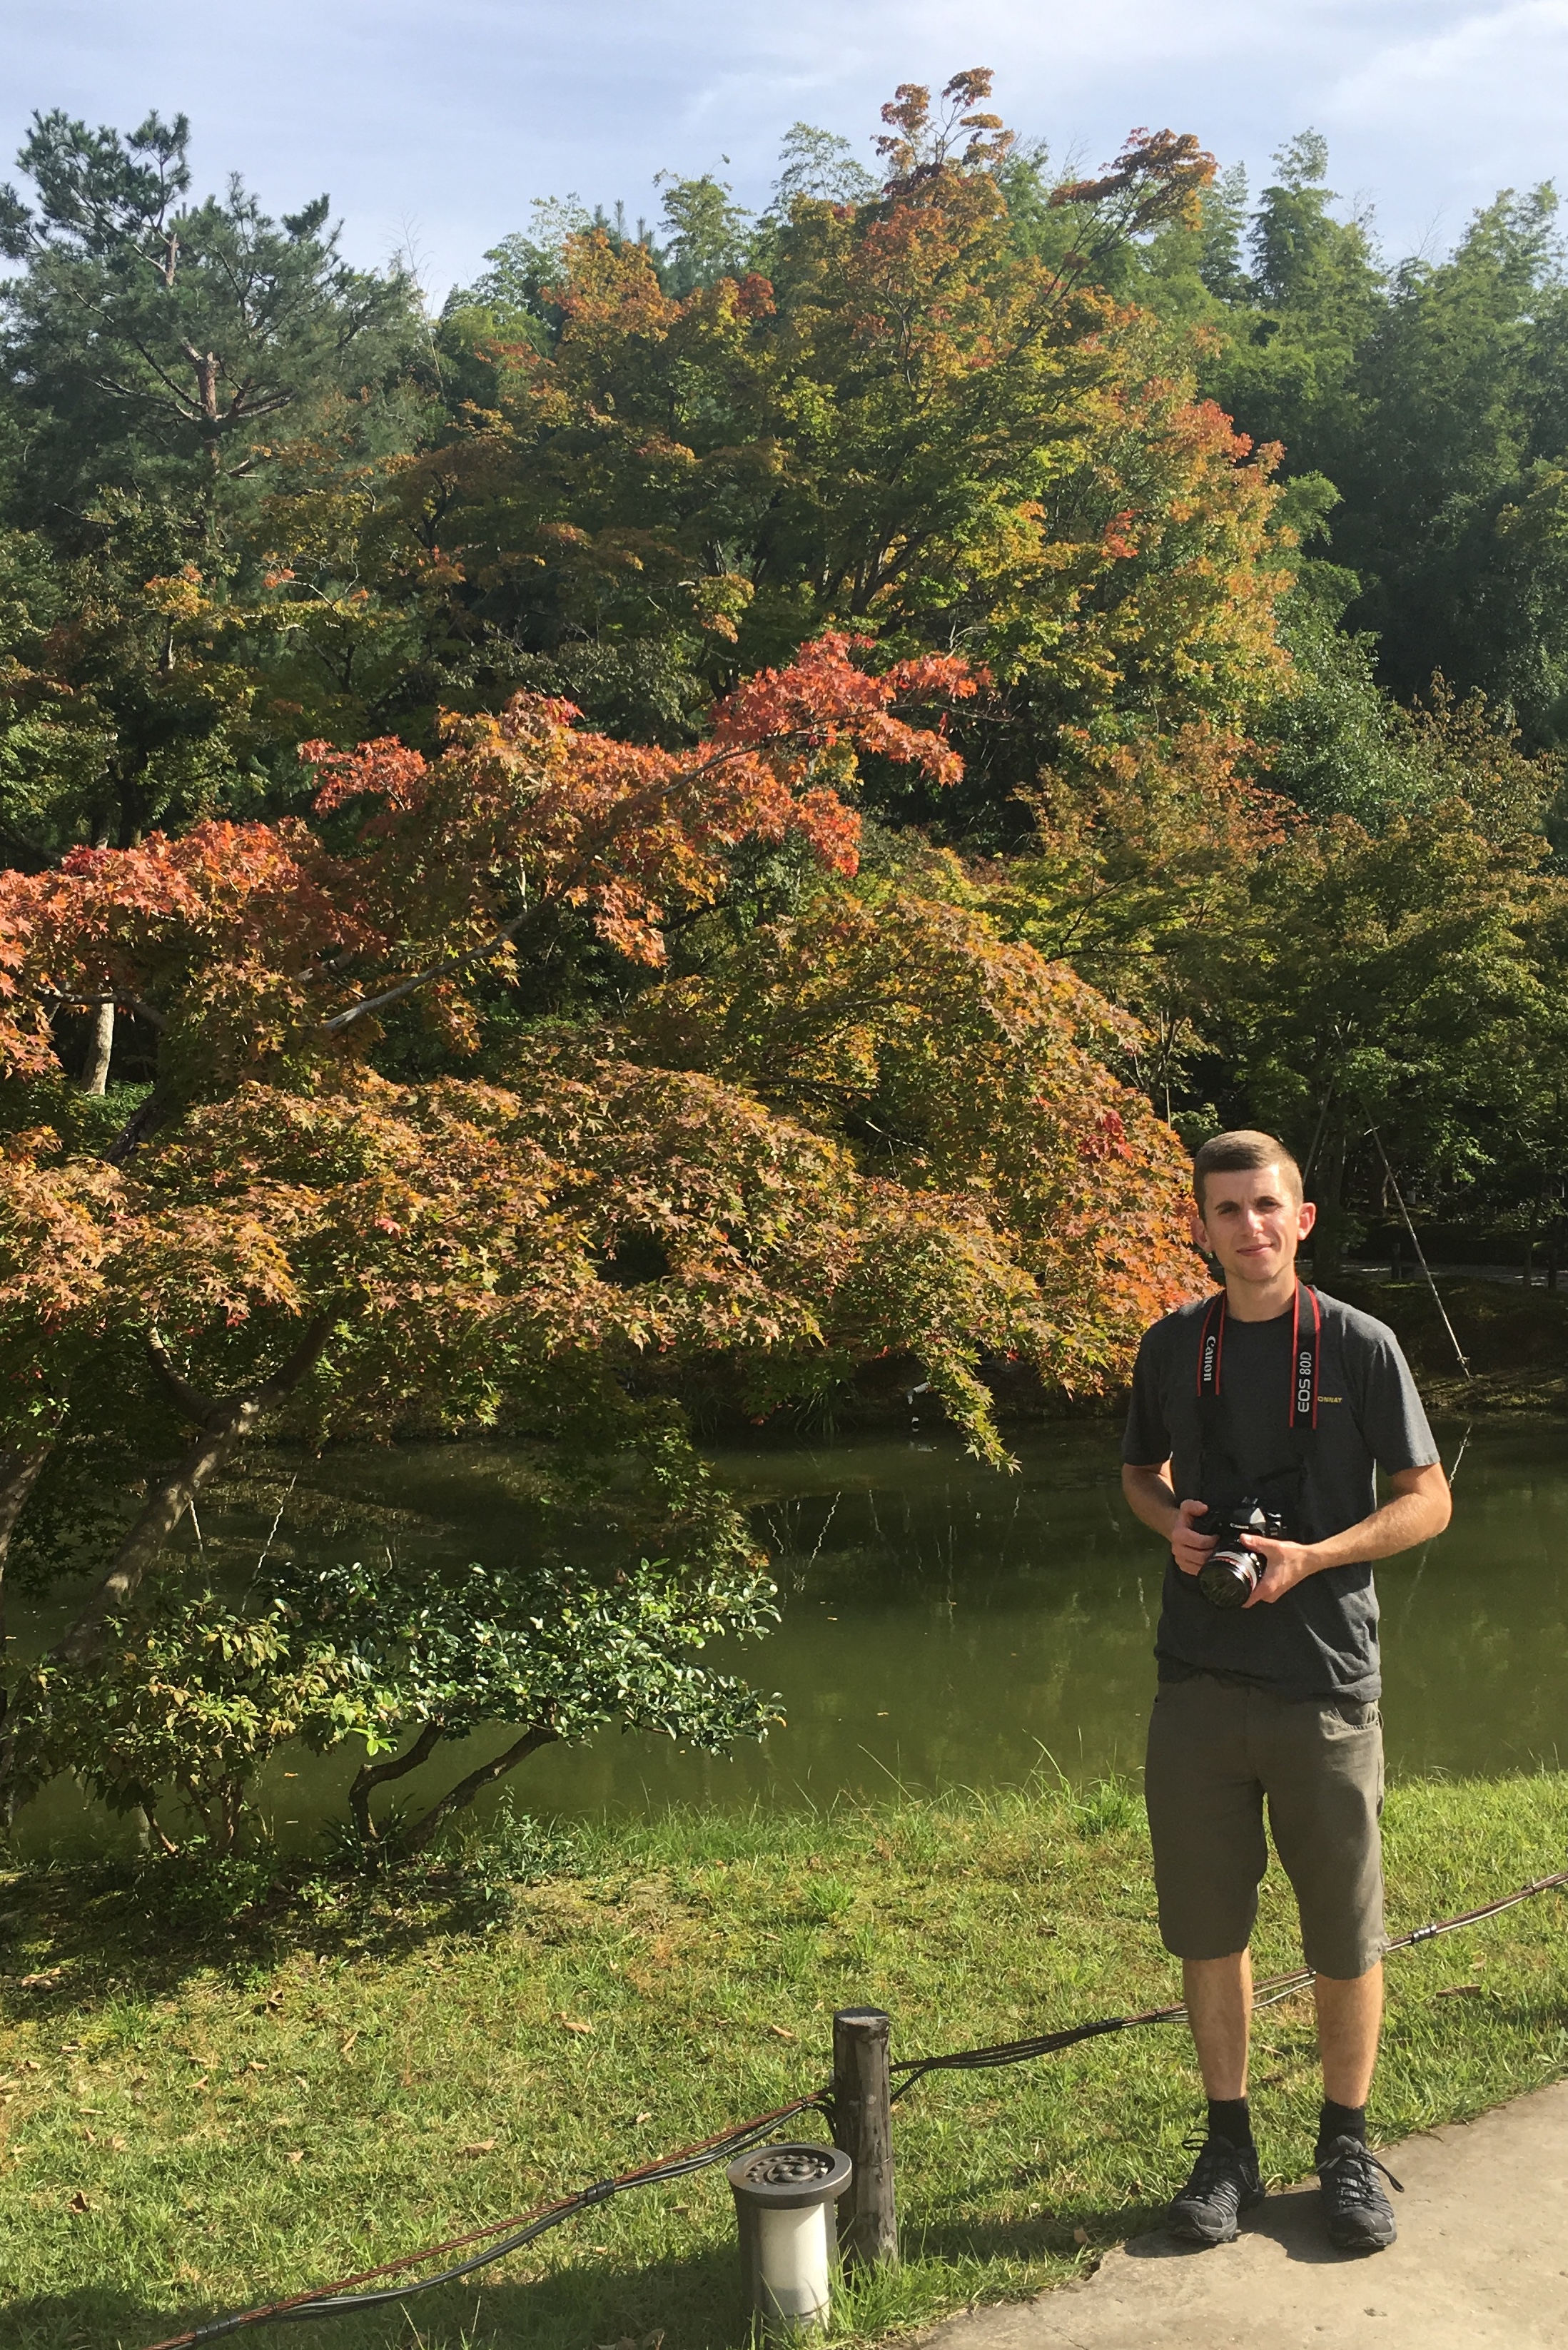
(480, 2146)
(571, 2024)
(346, 2046)
(39, 1982)
(200, 2081)
(1456, 1990)
(637, 2119)
(79, 2203)
(29, 2065)
(779, 2033)
(294, 2154)
(1080, 2235)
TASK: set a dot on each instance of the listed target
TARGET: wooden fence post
(862, 2129)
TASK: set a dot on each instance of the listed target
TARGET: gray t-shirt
(1321, 1639)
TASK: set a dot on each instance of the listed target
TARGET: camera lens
(1229, 1578)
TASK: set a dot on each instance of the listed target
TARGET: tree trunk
(225, 1427)
(1328, 1187)
(466, 1789)
(101, 1049)
(211, 1452)
(143, 1120)
(18, 1475)
(371, 1775)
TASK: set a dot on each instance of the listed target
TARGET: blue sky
(434, 126)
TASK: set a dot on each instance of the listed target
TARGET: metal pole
(862, 2129)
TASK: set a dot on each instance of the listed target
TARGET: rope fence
(345, 2297)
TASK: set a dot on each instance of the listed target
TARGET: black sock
(1340, 2121)
(1229, 2119)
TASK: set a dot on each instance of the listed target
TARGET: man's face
(1253, 1223)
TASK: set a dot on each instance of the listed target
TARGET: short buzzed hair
(1242, 1147)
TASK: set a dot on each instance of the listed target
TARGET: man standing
(1272, 1395)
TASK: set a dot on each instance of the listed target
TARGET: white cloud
(1505, 53)
(456, 118)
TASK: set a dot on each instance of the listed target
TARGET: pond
(945, 1625)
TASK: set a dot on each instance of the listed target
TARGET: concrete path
(1481, 2264)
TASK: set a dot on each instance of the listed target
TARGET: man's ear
(1308, 1218)
(1200, 1240)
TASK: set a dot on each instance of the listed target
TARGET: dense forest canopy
(689, 836)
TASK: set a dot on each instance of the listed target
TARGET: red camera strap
(1306, 1350)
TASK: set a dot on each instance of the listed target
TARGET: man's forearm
(1151, 1498)
(1400, 1524)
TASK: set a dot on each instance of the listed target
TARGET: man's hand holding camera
(1285, 1564)
(1190, 1549)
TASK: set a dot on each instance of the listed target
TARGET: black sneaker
(1225, 2182)
(1357, 2212)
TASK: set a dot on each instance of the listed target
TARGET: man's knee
(1325, 1797)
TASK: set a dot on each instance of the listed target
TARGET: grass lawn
(195, 2121)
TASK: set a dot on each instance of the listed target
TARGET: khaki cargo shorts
(1216, 1753)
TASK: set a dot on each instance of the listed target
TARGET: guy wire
(1420, 1253)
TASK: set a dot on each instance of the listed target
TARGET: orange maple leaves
(276, 931)
(1013, 1198)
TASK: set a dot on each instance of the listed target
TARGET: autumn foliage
(554, 1073)
(650, 853)
(867, 1130)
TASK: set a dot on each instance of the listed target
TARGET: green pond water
(946, 1625)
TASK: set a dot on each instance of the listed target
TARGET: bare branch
(467, 955)
(463, 1794)
(222, 1435)
(144, 1119)
(18, 1475)
(303, 1360)
(199, 1409)
(69, 1000)
(211, 1452)
(371, 1775)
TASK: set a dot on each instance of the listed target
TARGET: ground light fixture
(784, 2196)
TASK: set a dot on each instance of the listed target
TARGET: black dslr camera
(1229, 1575)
